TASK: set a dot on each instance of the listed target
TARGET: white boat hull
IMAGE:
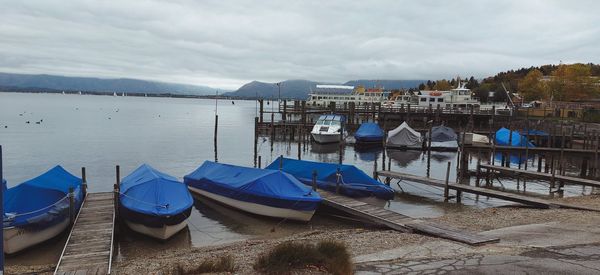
(162, 233)
(17, 239)
(258, 209)
(451, 145)
(326, 137)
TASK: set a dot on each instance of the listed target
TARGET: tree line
(564, 82)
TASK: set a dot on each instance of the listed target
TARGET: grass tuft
(221, 264)
(330, 255)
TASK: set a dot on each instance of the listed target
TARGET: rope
(145, 202)
(11, 216)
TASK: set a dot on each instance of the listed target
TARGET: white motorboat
(328, 129)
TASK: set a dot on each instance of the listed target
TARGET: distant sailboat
(123, 94)
(79, 92)
(63, 92)
(114, 93)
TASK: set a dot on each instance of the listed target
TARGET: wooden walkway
(540, 175)
(89, 247)
(507, 196)
(400, 222)
(533, 150)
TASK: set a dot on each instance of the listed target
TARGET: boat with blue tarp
(353, 182)
(369, 132)
(270, 193)
(154, 203)
(38, 209)
(503, 138)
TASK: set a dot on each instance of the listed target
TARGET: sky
(224, 44)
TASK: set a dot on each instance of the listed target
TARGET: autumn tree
(442, 85)
(531, 87)
(573, 82)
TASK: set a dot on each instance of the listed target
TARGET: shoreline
(368, 245)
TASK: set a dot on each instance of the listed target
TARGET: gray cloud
(227, 43)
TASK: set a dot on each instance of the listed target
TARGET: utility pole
(279, 96)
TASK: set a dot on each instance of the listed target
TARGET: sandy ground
(360, 241)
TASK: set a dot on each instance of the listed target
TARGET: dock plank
(401, 222)
(89, 247)
(541, 175)
(507, 196)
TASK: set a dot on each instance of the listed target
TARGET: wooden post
(117, 190)
(375, 169)
(527, 141)
(478, 168)
(280, 162)
(299, 129)
(215, 137)
(446, 187)
(1, 212)
(84, 182)
(261, 110)
(71, 206)
(562, 149)
(259, 162)
(255, 139)
(283, 117)
(338, 176)
(314, 180)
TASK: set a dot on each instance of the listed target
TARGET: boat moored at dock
(443, 139)
(404, 137)
(38, 209)
(154, 203)
(271, 193)
(328, 129)
(369, 132)
(352, 181)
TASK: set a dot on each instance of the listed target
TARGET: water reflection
(403, 158)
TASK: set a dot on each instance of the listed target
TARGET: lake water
(176, 136)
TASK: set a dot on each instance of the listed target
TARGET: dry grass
(221, 264)
(332, 256)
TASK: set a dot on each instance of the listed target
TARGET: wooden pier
(400, 222)
(459, 188)
(89, 247)
(540, 175)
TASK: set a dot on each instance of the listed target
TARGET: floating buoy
(27, 122)
(37, 122)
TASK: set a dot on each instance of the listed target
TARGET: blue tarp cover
(354, 182)
(149, 191)
(369, 132)
(502, 138)
(442, 134)
(41, 201)
(268, 187)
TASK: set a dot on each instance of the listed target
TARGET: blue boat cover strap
(42, 201)
(151, 192)
(267, 187)
(354, 181)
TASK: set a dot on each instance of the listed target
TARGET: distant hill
(296, 89)
(299, 89)
(386, 84)
(90, 84)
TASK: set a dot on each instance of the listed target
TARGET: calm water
(176, 136)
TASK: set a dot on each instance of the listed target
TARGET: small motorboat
(154, 203)
(353, 182)
(38, 209)
(443, 139)
(369, 132)
(328, 129)
(270, 193)
(404, 137)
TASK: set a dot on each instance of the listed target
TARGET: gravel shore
(360, 241)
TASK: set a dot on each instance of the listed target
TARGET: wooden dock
(400, 222)
(507, 196)
(540, 175)
(89, 247)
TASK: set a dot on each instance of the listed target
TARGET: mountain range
(299, 89)
(293, 89)
(49, 83)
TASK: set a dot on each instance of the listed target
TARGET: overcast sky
(225, 44)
